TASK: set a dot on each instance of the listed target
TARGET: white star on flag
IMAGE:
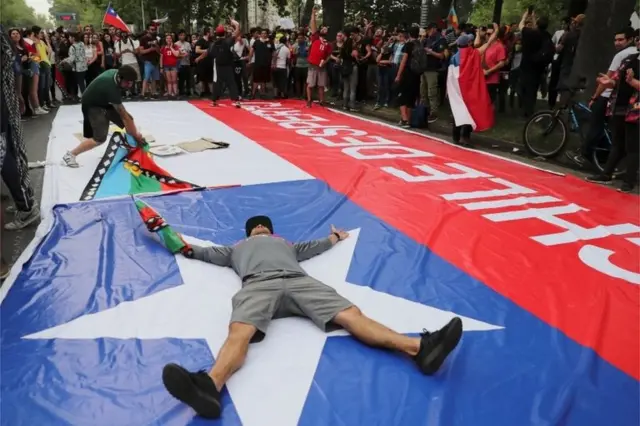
(275, 380)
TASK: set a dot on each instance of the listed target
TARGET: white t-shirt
(556, 40)
(239, 47)
(615, 64)
(185, 49)
(127, 58)
(282, 56)
(253, 58)
(89, 49)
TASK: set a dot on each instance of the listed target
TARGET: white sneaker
(69, 160)
(40, 111)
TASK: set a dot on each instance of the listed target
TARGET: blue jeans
(44, 84)
(151, 72)
(385, 79)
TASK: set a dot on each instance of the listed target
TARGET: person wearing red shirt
(494, 60)
(169, 56)
(318, 57)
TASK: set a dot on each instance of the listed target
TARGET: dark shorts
(300, 74)
(205, 72)
(261, 74)
(409, 90)
(257, 303)
(96, 121)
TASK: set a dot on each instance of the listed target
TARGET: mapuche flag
(156, 224)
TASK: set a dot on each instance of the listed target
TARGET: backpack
(544, 56)
(418, 63)
(221, 52)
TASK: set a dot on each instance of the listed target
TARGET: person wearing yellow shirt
(44, 83)
(30, 44)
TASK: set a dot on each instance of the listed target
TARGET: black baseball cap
(254, 221)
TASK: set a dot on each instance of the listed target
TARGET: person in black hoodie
(221, 53)
(537, 53)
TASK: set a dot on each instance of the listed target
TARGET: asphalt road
(36, 136)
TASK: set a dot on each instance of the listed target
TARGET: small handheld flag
(112, 19)
(159, 21)
(452, 18)
(156, 224)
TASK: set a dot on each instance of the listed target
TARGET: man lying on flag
(274, 285)
(467, 90)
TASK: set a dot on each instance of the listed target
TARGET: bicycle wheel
(545, 134)
(601, 152)
(600, 156)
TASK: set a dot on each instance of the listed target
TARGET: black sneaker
(436, 346)
(197, 390)
(601, 178)
(626, 188)
(404, 124)
(432, 118)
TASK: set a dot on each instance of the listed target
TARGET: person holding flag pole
(468, 95)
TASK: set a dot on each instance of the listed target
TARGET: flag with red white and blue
(111, 18)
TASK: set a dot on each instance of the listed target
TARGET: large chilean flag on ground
(467, 90)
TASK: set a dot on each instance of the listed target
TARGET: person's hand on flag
(338, 235)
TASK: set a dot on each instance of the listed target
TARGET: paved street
(36, 136)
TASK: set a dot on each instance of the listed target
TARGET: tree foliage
(87, 12)
(16, 13)
(512, 11)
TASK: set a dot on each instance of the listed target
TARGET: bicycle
(554, 124)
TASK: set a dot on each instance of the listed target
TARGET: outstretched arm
(313, 26)
(217, 255)
(309, 249)
(237, 32)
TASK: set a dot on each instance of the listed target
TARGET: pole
(144, 27)
(424, 13)
(497, 11)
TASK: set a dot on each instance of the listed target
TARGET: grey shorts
(317, 76)
(257, 303)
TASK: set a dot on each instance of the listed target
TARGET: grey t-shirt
(185, 47)
(263, 256)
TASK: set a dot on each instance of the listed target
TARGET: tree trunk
(243, 14)
(333, 16)
(576, 7)
(597, 36)
(305, 16)
(497, 11)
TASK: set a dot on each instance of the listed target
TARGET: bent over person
(102, 105)
(274, 285)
